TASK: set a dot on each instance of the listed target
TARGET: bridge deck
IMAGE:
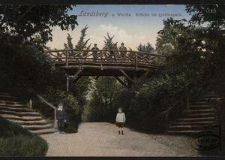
(131, 64)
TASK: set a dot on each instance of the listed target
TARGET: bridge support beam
(121, 81)
(74, 77)
(144, 76)
(75, 80)
(127, 77)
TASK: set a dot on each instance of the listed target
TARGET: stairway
(194, 119)
(28, 118)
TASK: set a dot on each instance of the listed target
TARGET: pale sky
(139, 24)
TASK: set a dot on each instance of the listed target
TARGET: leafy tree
(32, 21)
(23, 66)
(82, 43)
(69, 44)
(105, 92)
(168, 37)
(108, 41)
(146, 48)
(212, 17)
(79, 89)
(107, 89)
(194, 63)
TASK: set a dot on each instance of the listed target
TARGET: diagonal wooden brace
(76, 76)
(127, 77)
(121, 81)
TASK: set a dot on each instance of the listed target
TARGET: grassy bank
(16, 141)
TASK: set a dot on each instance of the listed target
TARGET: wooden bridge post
(67, 55)
(55, 121)
(30, 103)
(67, 83)
(135, 60)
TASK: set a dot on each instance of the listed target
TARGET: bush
(101, 106)
(22, 66)
(70, 105)
(21, 145)
(17, 141)
(143, 105)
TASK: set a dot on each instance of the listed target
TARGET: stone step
(11, 103)
(23, 118)
(200, 103)
(38, 122)
(194, 123)
(196, 111)
(197, 119)
(18, 109)
(14, 105)
(199, 115)
(7, 97)
(186, 127)
(17, 112)
(38, 127)
(20, 113)
(44, 131)
(185, 132)
(207, 106)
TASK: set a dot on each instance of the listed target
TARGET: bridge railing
(105, 56)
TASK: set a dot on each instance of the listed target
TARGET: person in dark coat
(95, 52)
(61, 118)
(113, 52)
(123, 51)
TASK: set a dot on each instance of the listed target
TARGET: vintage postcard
(113, 80)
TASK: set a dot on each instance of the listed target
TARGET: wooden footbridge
(133, 65)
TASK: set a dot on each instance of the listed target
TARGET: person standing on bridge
(123, 51)
(113, 52)
(120, 120)
(61, 118)
(95, 52)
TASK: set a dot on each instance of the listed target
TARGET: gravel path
(102, 139)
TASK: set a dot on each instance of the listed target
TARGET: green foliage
(69, 44)
(9, 129)
(213, 57)
(168, 37)
(145, 48)
(79, 89)
(212, 14)
(105, 92)
(193, 64)
(82, 43)
(108, 41)
(16, 141)
(30, 21)
(22, 66)
(23, 146)
(70, 105)
(143, 105)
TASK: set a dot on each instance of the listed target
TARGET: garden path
(102, 139)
